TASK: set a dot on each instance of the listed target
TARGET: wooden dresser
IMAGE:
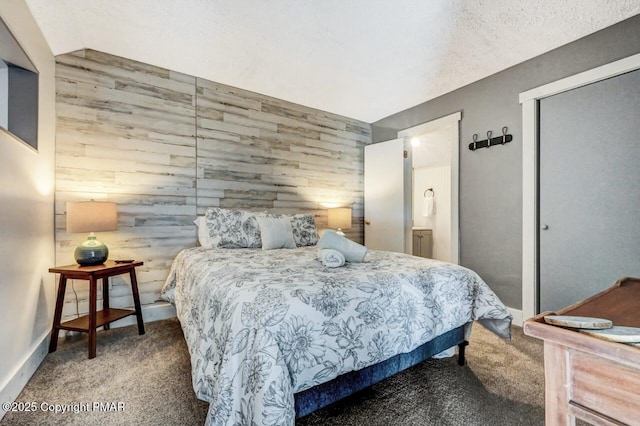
(587, 377)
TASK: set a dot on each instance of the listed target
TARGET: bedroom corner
(26, 208)
(231, 137)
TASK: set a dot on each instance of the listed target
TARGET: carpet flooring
(149, 377)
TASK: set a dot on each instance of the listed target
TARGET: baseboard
(517, 316)
(150, 313)
(12, 388)
(17, 381)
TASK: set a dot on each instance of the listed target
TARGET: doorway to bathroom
(434, 201)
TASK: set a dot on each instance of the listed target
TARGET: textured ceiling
(364, 59)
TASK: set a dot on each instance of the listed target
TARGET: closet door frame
(530, 226)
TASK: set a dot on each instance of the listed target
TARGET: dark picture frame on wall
(18, 90)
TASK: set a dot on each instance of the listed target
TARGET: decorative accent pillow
(276, 233)
(304, 230)
(232, 228)
(203, 232)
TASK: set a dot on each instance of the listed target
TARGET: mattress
(262, 325)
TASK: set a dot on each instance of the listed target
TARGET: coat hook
(506, 138)
(427, 190)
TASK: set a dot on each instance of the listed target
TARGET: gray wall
(19, 88)
(491, 179)
(23, 104)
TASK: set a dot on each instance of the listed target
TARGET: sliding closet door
(589, 190)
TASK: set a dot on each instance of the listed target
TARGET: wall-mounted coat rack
(489, 141)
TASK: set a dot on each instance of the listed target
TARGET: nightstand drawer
(606, 388)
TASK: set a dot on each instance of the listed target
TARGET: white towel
(352, 251)
(331, 258)
(429, 206)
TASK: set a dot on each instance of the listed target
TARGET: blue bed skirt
(324, 394)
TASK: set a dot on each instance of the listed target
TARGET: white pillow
(203, 233)
(276, 233)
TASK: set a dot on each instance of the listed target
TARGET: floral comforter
(262, 325)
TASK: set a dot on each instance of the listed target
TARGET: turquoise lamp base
(91, 252)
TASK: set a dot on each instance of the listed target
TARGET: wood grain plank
(165, 146)
(126, 133)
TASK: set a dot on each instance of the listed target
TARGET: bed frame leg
(461, 347)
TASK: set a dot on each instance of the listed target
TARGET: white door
(384, 196)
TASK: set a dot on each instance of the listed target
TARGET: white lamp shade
(91, 216)
(339, 218)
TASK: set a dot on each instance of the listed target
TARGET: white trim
(529, 208)
(150, 313)
(455, 191)
(529, 101)
(517, 316)
(19, 378)
(407, 185)
(593, 75)
(21, 375)
(452, 120)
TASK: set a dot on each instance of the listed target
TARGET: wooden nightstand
(89, 323)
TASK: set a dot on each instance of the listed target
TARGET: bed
(273, 334)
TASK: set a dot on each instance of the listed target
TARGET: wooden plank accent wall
(125, 133)
(262, 153)
(165, 146)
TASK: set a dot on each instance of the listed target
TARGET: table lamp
(339, 218)
(91, 216)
